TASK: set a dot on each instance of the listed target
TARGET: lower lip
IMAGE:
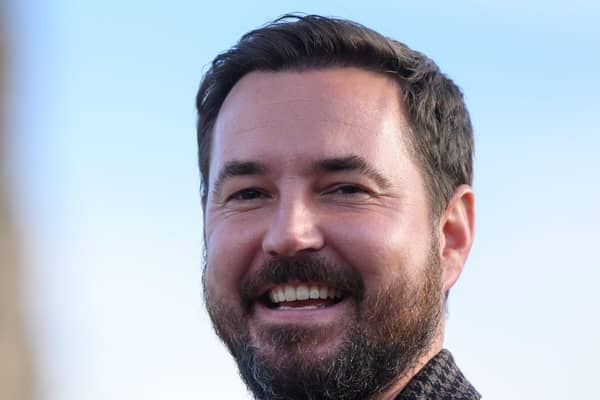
(302, 315)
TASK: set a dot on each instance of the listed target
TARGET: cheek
(381, 249)
(232, 249)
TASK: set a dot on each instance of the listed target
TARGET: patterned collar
(440, 379)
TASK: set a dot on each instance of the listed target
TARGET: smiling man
(336, 168)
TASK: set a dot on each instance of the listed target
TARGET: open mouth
(301, 296)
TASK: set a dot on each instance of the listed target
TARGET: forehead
(319, 112)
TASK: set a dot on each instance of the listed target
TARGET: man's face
(320, 252)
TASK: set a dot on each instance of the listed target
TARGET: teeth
(299, 308)
(323, 293)
(314, 292)
(280, 295)
(290, 293)
(302, 292)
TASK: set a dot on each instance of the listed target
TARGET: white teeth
(314, 292)
(280, 295)
(287, 293)
(323, 293)
(290, 293)
(299, 308)
(301, 292)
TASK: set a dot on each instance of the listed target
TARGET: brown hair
(441, 135)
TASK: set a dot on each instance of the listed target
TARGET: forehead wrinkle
(240, 116)
(354, 125)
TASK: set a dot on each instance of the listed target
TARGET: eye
(246, 195)
(348, 189)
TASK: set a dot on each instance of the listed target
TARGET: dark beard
(390, 331)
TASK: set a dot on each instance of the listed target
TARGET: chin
(306, 343)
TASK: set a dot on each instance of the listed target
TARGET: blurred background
(101, 226)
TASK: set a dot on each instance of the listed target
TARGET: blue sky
(106, 188)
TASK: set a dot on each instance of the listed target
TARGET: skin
(375, 220)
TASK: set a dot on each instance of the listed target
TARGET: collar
(439, 379)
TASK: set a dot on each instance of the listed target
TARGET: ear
(456, 230)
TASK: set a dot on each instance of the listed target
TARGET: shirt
(440, 379)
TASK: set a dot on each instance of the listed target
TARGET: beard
(384, 338)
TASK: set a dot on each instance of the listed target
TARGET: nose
(293, 229)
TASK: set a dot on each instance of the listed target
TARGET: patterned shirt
(440, 379)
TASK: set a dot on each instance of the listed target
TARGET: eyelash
(354, 189)
(251, 194)
(239, 195)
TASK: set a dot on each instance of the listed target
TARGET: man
(336, 166)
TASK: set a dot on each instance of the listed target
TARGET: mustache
(305, 268)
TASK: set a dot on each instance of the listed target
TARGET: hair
(440, 135)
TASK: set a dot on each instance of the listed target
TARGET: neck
(398, 385)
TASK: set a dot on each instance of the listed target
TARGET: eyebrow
(349, 163)
(238, 168)
(352, 163)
